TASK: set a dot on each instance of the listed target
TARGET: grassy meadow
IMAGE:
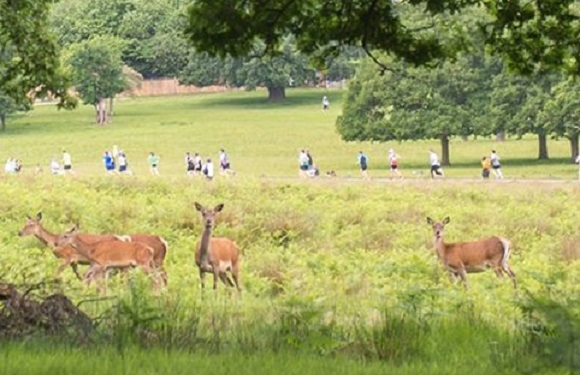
(337, 276)
(261, 138)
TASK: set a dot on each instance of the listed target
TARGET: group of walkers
(195, 167)
(491, 163)
(115, 162)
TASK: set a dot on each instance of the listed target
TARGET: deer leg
(216, 276)
(463, 274)
(75, 268)
(236, 277)
(225, 279)
(511, 274)
(202, 278)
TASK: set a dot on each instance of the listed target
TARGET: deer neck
(46, 237)
(439, 246)
(205, 245)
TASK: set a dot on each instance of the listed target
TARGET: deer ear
(198, 206)
(446, 220)
(430, 221)
(39, 216)
(219, 207)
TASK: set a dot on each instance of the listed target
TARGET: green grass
(339, 275)
(262, 138)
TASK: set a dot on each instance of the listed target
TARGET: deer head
(32, 226)
(438, 228)
(207, 214)
(68, 238)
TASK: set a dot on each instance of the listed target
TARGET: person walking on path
(123, 164)
(363, 161)
(109, 162)
(67, 162)
(225, 167)
(485, 168)
(189, 164)
(394, 163)
(435, 165)
(303, 163)
(496, 165)
(325, 103)
(208, 169)
(153, 161)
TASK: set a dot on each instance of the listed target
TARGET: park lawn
(261, 138)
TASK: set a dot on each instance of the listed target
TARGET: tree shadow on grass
(293, 99)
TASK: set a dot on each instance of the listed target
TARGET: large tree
(96, 70)
(530, 35)
(29, 64)
(287, 68)
(562, 113)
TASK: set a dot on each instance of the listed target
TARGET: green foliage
(530, 36)
(96, 68)
(341, 297)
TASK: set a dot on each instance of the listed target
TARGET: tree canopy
(530, 35)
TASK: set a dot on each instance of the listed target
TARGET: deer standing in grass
(216, 255)
(110, 254)
(466, 257)
(159, 246)
(68, 255)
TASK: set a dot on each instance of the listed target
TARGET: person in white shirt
(496, 165)
(225, 167)
(67, 162)
(435, 165)
(55, 167)
(303, 163)
(197, 163)
(10, 166)
(208, 170)
(123, 165)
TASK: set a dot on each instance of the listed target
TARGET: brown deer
(68, 255)
(159, 246)
(467, 257)
(216, 255)
(110, 254)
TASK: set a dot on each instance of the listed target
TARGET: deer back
(121, 254)
(157, 243)
(220, 249)
(484, 252)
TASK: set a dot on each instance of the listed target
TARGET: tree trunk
(500, 136)
(2, 123)
(111, 106)
(101, 108)
(542, 146)
(574, 147)
(276, 93)
(445, 150)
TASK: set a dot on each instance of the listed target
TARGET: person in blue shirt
(363, 162)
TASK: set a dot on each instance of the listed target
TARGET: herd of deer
(218, 256)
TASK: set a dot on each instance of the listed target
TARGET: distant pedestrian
(123, 163)
(109, 162)
(197, 163)
(394, 163)
(208, 169)
(363, 161)
(325, 103)
(485, 168)
(55, 167)
(303, 163)
(10, 166)
(67, 162)
(496, 165)
(153, 161)
(225, 167)
(189, 164)
(435, 164)
(310, 159)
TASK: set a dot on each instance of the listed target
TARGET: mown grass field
(338, 276)
(261, 138)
